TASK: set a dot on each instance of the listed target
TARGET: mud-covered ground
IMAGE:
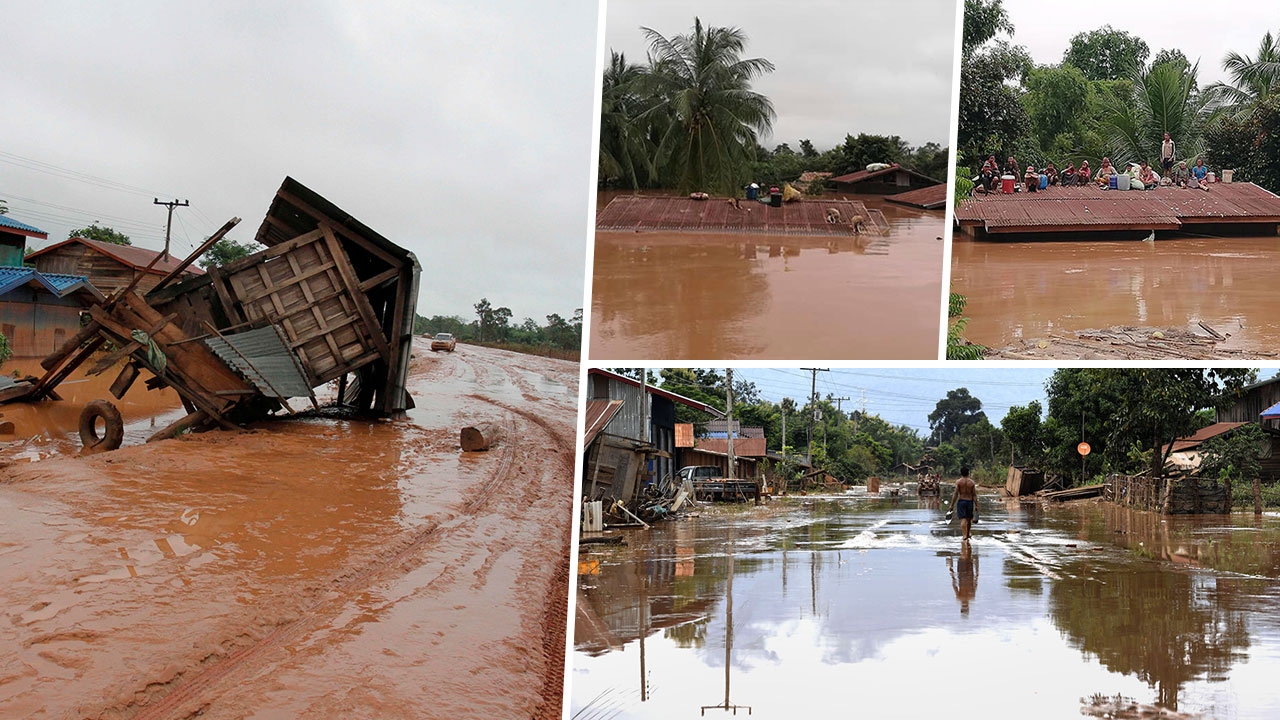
(309, 568)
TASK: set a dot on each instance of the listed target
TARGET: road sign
(1083, 448)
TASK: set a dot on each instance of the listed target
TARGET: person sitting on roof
(1011, 167)
(1147, 176)
(987, 178)
(1182, 176)
(1068, 177)
(1200, 171)
(1105, 172)
(1052, 173)
(1083, 175)
(1031, 179)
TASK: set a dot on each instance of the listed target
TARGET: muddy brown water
(1027, 290)
(874, 607)
(312, 568)
(691, 296)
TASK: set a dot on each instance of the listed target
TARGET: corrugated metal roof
(864, 175)
(743, 447)
(684, 435)
(21, 227)
(135, 257)
(654, 390)
(264, 359)
(635, 213)
(1205, 433)
(1090, 207)
(933, 197)
(54, 284)
(599, 413)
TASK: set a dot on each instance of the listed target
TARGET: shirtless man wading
(965, 501)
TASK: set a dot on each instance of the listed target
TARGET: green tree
(807, 149)
(1022, 428)
(625, 147)
(702, 82)
(1249, 143)
(1237, 457)
(101, 233)
(1053, 101)
(953, 413)
(1106, 53)
(1164, 100)
(6, 351)
(1253, 79)
(858, 152)
(227, 251)
(992, 116)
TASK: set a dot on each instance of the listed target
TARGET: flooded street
(1031, 289)
(313, 568)
(691, 296)
(872, 605)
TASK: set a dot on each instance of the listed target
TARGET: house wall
(627, 423)
(36, 323)
(106, 273)
(1251, 405)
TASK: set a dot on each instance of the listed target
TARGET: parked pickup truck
(709, 483)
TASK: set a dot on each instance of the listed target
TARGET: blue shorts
(964, 509)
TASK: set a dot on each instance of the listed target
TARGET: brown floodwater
(874, 606)
(1028, 290)
(692, 296)
(311, 568)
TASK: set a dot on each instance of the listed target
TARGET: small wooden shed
(107, 265)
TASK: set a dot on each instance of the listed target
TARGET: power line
(51, 169)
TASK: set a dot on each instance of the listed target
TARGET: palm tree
(702, 86)
(1252, 79)
(625, 149)
(1164, 100)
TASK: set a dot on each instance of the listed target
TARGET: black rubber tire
(114, 434)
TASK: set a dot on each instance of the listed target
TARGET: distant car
(444, 341)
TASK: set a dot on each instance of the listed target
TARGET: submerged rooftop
(646, 213)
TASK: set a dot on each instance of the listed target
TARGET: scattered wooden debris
(1127, 343)
(1077, 493)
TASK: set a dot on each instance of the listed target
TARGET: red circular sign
(1083, 448)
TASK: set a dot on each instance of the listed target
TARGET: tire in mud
(112, 436)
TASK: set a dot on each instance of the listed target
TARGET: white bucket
(1226, 175)
(1122, 182)
(1211, 177)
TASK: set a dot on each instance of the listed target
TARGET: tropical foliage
(101, 233)
(493, 325)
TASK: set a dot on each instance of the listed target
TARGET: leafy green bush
(6, 351)
(957, 347)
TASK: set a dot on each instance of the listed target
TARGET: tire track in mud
(334, 596)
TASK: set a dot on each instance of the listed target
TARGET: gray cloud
(460, 131)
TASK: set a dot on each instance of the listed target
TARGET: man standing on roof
(1167, 152)
(964, 502)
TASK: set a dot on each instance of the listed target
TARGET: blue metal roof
(6, 221)
(56, 285)
(1272, 412)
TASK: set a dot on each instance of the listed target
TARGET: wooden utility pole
(728, 404)
(813, 410)
(169, 225)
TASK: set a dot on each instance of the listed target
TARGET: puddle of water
(1030, 289)
(876, 601)
(761, 296)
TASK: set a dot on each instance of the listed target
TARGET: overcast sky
(906, 396)
(873, 66)
(461, 131)
(1202, 31)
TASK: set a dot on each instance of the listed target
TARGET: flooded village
(710, 245)
(1154, 247)
(1121, 593)
(242, 487)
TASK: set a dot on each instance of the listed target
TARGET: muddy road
(664, 295)
(318, 568)
(873, 605)
(1030, 290)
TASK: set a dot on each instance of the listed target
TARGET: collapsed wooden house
(328, 299)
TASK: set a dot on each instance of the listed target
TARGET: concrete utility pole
(840, 408)
(728, 404)
(169, 225)
(813, 409)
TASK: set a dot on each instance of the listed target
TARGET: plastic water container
(752, 193)
(1211, 177)
(1122, 181)
(1044, 181)
(1006, 184)
(1226, 175)
(1114, 182)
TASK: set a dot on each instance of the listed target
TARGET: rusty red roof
(1203, 434)
(933, 197)
(655, 390)
(599, 413)
(864, 175)
(135, 257)
(636, 213)
(742, 447)
(1092, 208)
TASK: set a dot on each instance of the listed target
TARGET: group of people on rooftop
(1141, 175)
